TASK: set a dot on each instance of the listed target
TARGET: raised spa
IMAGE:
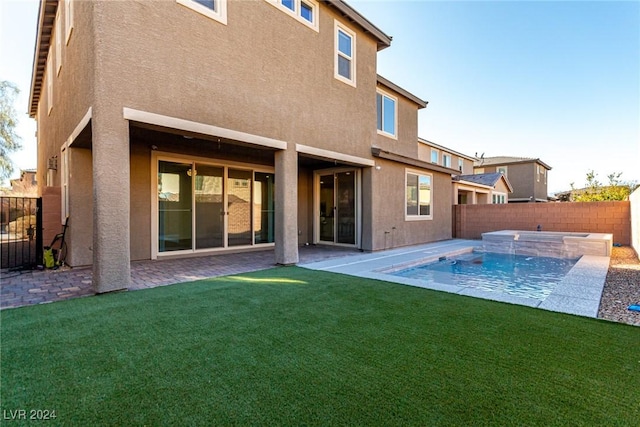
(547, 243)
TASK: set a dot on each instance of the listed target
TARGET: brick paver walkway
(42, 286)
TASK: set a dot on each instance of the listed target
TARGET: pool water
(518, 275)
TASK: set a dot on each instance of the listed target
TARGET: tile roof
(489, 179)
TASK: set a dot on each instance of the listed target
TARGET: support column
(111, 200)
(286, 220)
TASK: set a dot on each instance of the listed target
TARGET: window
(418, 196)
(446, 160)
(214, 9)
(478, 171)
(502, 170)
(68, 18)
(289, 4)
(434, 156)
(345, 54)
(461, 165)
(305, 11)
(49, 81)
(387, 116)
(58, 36)
(64, 182)
(499, 198)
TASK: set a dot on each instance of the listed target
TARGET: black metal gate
(20, 232)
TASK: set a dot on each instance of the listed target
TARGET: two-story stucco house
(527, 176)
(467, 188)
(192, 127)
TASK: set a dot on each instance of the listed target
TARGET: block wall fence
(635, 220)
(470, 221)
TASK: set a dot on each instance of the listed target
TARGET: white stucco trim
(334, 155)
(201, 128)
(80, 127)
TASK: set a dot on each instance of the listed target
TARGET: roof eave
(383, 40)
(384, 82)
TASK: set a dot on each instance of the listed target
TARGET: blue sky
(555, 80)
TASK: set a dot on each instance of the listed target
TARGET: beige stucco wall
(72, 91)
(264, 73)
(634, 207)
(389, 227)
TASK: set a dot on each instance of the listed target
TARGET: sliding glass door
(174, 206)
(202, 206)
(337, 207)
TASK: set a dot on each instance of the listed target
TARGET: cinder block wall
(635, 221)
(592, 217)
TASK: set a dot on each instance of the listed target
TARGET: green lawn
(289, 346)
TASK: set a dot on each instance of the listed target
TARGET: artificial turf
(289, 346)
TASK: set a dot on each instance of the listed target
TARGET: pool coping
(578, 293)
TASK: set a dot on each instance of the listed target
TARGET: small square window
(214, 9)
(434, 156)
(289, 4)
(306, 11)
(209, 4)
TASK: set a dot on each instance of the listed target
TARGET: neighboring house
(439, 155)
(527, 176)
(481, 189)
(186, 128)
(25, 186)
(466, 188)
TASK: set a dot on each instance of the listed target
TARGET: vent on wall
(52, 163)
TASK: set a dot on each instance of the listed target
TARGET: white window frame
(498, 198)
(461, 165)
(58, 40)
(220, 14)
(433, 151)
(337, 28)
(446, 160)
(502, 169)
(297, 13)
(395, 114)
(68, 19)
(418, 217)
(50, 81)
(64, 182)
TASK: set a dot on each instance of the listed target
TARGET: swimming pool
(517, 275)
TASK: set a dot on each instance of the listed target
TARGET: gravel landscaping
(622, 287)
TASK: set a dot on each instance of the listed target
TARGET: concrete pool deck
(578, 293)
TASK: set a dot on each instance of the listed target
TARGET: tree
(595, 191)
(9, 140)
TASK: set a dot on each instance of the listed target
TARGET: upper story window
(461, 165)
(68, 18)
(345, 55)
(49, 79)
(446, 160)
(434, 156)
(387, 114)
(58, 37)
(418, 196)
(305, 11)
(214, 9)
(478, 171)
(502, 170)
